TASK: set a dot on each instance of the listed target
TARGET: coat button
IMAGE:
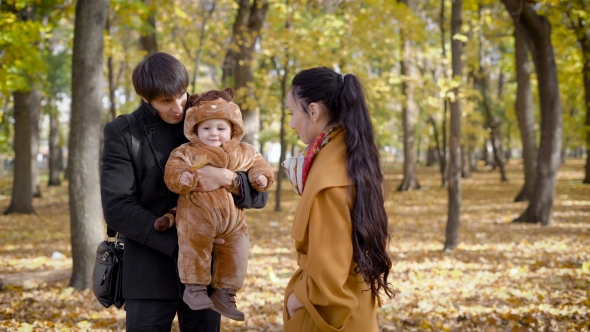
(152, 130)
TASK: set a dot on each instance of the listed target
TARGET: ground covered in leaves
(502, 277)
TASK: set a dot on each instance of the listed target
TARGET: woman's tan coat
(335, 298)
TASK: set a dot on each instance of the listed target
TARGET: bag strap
(135, 145)
(114, 236)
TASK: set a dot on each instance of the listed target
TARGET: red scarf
(312, 150)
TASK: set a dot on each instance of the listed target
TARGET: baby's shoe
(224, 300)
(195, 296)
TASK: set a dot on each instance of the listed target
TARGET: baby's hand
(186, 178)
(261, 181)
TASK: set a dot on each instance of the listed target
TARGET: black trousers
(157, 315)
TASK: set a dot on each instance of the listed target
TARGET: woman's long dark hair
(344, 97)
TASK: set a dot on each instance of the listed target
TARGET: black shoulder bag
(108, 267)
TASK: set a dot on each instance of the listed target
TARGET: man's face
(169, 110)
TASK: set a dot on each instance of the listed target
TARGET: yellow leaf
(26, 327)
(460, 37)
(179, 12)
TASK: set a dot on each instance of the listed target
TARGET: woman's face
(300, 121)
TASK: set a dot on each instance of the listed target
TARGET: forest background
(456, 87)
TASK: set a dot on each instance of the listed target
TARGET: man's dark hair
(160, 75)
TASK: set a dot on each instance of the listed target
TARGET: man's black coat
(149, 269)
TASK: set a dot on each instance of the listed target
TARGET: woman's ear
(314, 112)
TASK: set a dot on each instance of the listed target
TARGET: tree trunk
(581, 29)
(237, 66)
(492, 123)
(454, 188)
(409, 111)
(472, 159)
(443, 150)
(508, 151)
(586, 73)
(86, 220)
(112, 88)
(111, 77)
(539, 29)
(3, 119)
(564, 152)
(22, 188)
(497, 147)
(465, 163)
(418, 150)
(439, 155)
(587, 89)
(149, 39)
(2, 160)
(524, 110)
(208, 9)
(430, 160)
(281, 171)
(284, 92)
(488, 154)
(54, 149)
(35, 110)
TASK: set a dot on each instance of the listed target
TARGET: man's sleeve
(122, 211)
(250, 199)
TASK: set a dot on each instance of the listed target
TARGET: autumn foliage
(502, 277)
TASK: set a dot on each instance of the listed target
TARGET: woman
(340, 226)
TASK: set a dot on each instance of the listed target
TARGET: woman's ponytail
(370, 235)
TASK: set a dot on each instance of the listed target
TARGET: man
(151, 286)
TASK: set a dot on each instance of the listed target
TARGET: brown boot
(224, 300)
(196, 297)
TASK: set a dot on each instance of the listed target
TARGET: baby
(214, 128)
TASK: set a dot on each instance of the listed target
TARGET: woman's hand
(293, 304)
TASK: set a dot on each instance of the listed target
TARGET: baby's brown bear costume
(203, 216)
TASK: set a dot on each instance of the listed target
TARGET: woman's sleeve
(178, 163)
(323, 289)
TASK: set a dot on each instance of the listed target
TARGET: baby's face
(214, 132)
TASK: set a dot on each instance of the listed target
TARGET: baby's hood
(213, 104)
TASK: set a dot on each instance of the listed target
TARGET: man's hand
(186, 178)
(211, 178)
(261, 181)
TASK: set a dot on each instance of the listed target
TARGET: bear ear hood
(213, 104)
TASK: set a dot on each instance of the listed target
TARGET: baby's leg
(195, 245)
(229, 271)
(231, 259)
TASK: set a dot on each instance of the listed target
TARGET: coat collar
(161, 136)
(327, 171)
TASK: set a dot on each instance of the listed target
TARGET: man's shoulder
(121, 122)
